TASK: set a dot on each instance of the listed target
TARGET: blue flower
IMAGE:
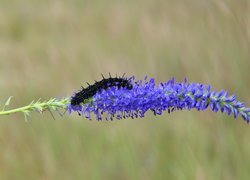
(146, 96)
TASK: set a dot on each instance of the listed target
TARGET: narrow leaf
(7, 102)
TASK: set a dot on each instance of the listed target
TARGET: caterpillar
(105, 83)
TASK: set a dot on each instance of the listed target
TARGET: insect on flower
(105, 83)
(124, 97)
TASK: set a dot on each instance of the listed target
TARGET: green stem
(12, 111)
(52, 104)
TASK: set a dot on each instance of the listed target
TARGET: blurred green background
(51, 48)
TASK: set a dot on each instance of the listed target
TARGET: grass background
(51, 48)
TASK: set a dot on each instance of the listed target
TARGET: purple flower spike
(120, 103)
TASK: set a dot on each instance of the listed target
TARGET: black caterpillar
(91, 90)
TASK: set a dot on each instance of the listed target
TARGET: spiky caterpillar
(105, 83)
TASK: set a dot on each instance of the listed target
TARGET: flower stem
(52, 104)
(12, 111)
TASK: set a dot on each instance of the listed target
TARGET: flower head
(147, 96)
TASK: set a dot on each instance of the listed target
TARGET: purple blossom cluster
(169, 96)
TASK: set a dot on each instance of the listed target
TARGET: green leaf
(7, 102)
